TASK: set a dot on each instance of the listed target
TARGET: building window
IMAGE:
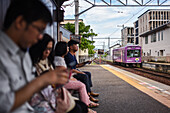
(153, 24)
(146, 40)
(153, 37)
(137, 42)
(128, 41)
(161, 15)
(161, 52)
(162, 35)
(164, 15)
(158, 36)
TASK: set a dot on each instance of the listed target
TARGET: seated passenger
(23, 26)
(49, 99)
(83, 76)
(61, 50)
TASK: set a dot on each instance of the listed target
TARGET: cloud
(105, 20)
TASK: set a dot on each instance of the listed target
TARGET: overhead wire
(130, 18)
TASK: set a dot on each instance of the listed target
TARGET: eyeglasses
(41, 31)
(49, 49)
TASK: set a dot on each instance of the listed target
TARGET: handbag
(65, 101)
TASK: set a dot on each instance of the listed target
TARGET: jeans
(86, 79)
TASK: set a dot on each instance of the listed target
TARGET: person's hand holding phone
(88, 62)
(62, 75)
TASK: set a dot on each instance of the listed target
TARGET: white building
(156, 42)
(152, 19)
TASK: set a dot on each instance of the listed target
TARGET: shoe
(94, 94)
(91, 111)
(93, 105)
(93, 99)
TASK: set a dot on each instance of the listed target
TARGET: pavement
(124, 92)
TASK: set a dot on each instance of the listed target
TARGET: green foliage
(87, 44)
(70, 27)
(85, 32)
(104, 55)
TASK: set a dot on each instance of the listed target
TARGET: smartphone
(56, 86)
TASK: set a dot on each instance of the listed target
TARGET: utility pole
(108, 42)
(103, 45)
(77, 24)
(76, 17)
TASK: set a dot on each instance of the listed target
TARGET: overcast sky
(105, 20)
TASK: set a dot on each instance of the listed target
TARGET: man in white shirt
(23, 26)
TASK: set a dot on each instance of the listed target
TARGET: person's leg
(83, 93)
(81, 88)
(89, 75)
(85, 79)
(90, 83)
(79, 108)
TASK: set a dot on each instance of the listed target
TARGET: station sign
(101, 51)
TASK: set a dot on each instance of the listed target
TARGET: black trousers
(86, 79)
(79, 108)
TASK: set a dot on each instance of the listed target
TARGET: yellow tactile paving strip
(132, 82)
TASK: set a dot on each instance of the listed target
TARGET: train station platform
(124, 92)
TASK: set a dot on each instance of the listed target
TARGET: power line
(107, 38)
(137, 13)
(131, 18)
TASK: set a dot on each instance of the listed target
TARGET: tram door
(123, 56)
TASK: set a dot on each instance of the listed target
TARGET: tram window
(133, 53)
(136, 53)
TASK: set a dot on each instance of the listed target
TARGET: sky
(108, 21)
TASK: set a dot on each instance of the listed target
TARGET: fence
(156, 59)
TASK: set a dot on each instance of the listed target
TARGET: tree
(85, 32)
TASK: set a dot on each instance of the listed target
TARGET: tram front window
(133, 53)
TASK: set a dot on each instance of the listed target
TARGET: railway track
(151, 74)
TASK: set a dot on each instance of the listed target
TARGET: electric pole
(76, 17)
(77, 24)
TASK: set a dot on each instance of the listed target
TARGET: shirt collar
(71, 54)
(11, 47)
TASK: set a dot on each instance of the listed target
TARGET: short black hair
(71, 42)
(60, 48)
(31, 10)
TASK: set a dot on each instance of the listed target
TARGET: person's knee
(85, 77)
(82, 85)
(88, 73)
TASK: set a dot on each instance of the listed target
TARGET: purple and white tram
(128, 55)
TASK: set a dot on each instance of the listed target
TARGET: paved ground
(117, 96)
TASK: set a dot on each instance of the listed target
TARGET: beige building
(136, 33)
(127, 35)
(72, 21)
(152, 19)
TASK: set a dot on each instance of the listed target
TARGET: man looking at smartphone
(83, 76)
(23, 26)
